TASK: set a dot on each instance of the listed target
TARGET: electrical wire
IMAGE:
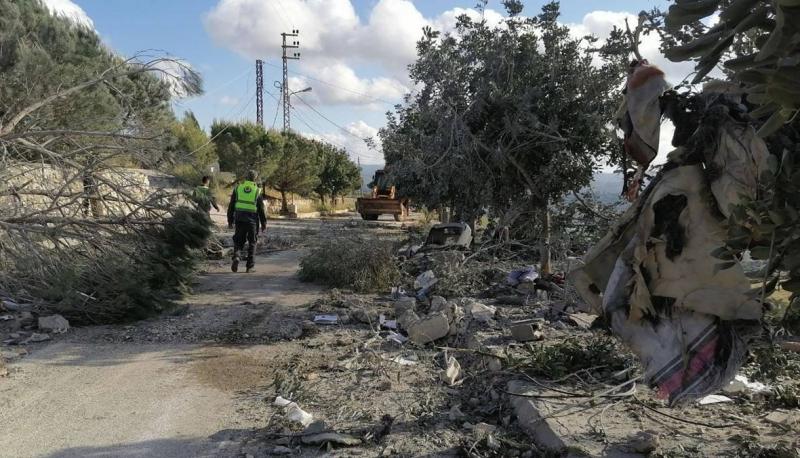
(343, 129)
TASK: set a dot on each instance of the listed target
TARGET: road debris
(479, 312)
(713, 399)
(326, 319)
(527, 330)
(334, 438)
(429, 328)
(294, 412)
(56, 324)
(740, 385)
(452, 371)
(448, 235)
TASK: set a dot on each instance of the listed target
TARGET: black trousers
(246, 231)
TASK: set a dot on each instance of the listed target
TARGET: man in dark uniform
(246, 213)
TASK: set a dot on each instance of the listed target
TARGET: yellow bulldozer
(382, 201)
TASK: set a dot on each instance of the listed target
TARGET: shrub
(363, 264)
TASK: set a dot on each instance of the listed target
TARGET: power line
(324, 138)
(328, 119)
(280, 5)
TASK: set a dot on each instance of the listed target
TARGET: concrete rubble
(56, 324)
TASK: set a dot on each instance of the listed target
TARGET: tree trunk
(284, 203)
(544, 251)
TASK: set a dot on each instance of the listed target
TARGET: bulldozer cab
(381, 187)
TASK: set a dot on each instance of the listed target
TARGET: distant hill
(606, 186)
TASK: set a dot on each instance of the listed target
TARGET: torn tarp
(685, 315)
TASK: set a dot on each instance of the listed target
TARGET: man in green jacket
(203, 197)
(246, 213)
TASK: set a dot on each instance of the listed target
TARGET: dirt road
(166, 387)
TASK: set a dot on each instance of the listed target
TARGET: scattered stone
(37, 337)
(791, 346)
(316, 427)
(281, 450)
(451, 374)
(335, 438)
(365, 316)
(483, 430)
(783, 418)
(559, 325)
(405, 319)
(527, 330)
(403, 305)
(480, 312)
(438, 303)
(645, 442)
(426, 330)
(6, 317)
(326, 319)
(53, 323)
(494, 363)
(582, 320)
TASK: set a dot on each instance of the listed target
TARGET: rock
(430, 328)
(452, 372)
(527, 330)
(335, 438)
(532, 415)
(316, 427)
(37, 337)
(494, 363)
(403, 305)
(53, 323)
(791, 346)
(281, 450)
(483, 430)
(365, 316)
(456, 319)
(559, 325)
(480, 312)
(645, 442)
(438, 303)
(784, 418)
(582, 320)
(406, 319)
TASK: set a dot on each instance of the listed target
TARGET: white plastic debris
(525, 275)
(326, 319)
(740, 384)
(425, 280)
(714, 399)
(397, 338)
(452, 372)
(294, 412)
(388, 324)
(403, 361)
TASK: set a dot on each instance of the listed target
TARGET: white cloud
(348, 88)
(600, 24)
(69, 10)
(228, 101)
(353, 142)
(336, 39)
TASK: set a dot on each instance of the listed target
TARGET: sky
(353, 53)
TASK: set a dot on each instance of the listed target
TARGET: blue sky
(354, 52)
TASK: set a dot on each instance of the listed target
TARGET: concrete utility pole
(285, 86)
(260, 92)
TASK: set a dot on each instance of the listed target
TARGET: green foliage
(756, 41)
(771, 363)
(192, 145)
(125, 279)
(576, 353)
(297, 169)
(41, 54)
(245, 146)
(506, 117)
(363, 264)
(338, 174)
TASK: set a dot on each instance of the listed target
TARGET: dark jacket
(259, 217)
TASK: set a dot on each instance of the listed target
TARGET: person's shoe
(235, 265)
(251, 269)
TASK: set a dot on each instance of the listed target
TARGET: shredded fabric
(686, 315)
